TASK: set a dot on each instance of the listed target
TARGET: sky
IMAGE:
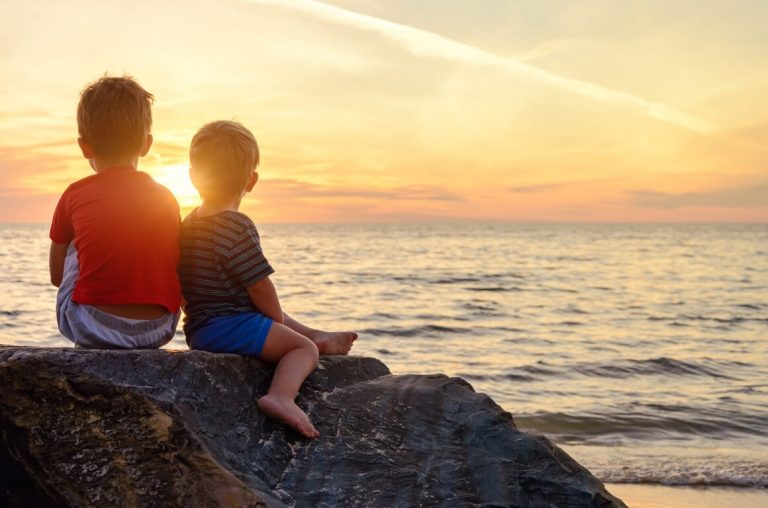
(405, 110)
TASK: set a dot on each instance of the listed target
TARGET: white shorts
(87, 326)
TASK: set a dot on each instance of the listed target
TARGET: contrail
(429, 44)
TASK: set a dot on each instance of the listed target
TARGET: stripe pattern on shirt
(220, 257)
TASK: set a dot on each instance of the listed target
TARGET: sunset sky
(372, 111)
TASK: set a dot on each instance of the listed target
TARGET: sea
(640, 349)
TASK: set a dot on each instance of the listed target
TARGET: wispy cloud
(18, 192)
(297, 189)
(429, 44)
(541, 187)
(745, 196)
(544, 187)
(545, 49)
(50, 144)
(36, 171)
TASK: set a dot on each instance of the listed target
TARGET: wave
(483, 309)
(506, 377)
(515, 330)
(375, 316)
(652, 366)
(734, 320)
(571, 309)
(570, 323)
(494, 289)
(486, 277)
(646, 422)
(559, 289)
(750, 306)
(662, 366)
(417, 331)
(539, 369)
(716, 473)
(457, 280)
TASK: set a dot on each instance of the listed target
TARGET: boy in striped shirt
(231, 303)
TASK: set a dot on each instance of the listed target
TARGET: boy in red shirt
(114, 235)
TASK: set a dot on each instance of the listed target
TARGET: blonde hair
(222, 157)
(114, 116)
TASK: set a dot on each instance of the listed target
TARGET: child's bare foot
(288, 412)
(333, 343)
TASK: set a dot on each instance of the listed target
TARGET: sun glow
(176, 179)
(413, 111)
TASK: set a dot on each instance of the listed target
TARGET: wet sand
(661, 496)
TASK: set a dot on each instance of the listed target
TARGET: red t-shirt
(126, 230)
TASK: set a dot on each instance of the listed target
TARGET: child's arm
(56, 257)
(264, 298)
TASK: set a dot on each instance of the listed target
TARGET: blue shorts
(242, 334)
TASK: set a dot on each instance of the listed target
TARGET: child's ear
(252, 181)
(85, 148)
(146, 146)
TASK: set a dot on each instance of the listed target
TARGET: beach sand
(661, 496)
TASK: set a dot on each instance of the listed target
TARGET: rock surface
(159, 428)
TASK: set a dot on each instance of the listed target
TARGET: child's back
(125, 227)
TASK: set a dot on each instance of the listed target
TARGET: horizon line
(460, 221)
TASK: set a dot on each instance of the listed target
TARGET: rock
(159, 428)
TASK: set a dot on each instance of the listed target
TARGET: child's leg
(329, 343)
(296, 357)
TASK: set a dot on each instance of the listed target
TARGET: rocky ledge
(162, 428)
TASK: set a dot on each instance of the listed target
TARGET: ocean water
(641, 349)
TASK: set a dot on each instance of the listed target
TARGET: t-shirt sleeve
(61, 225)
(246, 261)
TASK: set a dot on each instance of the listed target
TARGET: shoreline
(638, 495)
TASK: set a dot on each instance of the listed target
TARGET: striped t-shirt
(220, 257)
